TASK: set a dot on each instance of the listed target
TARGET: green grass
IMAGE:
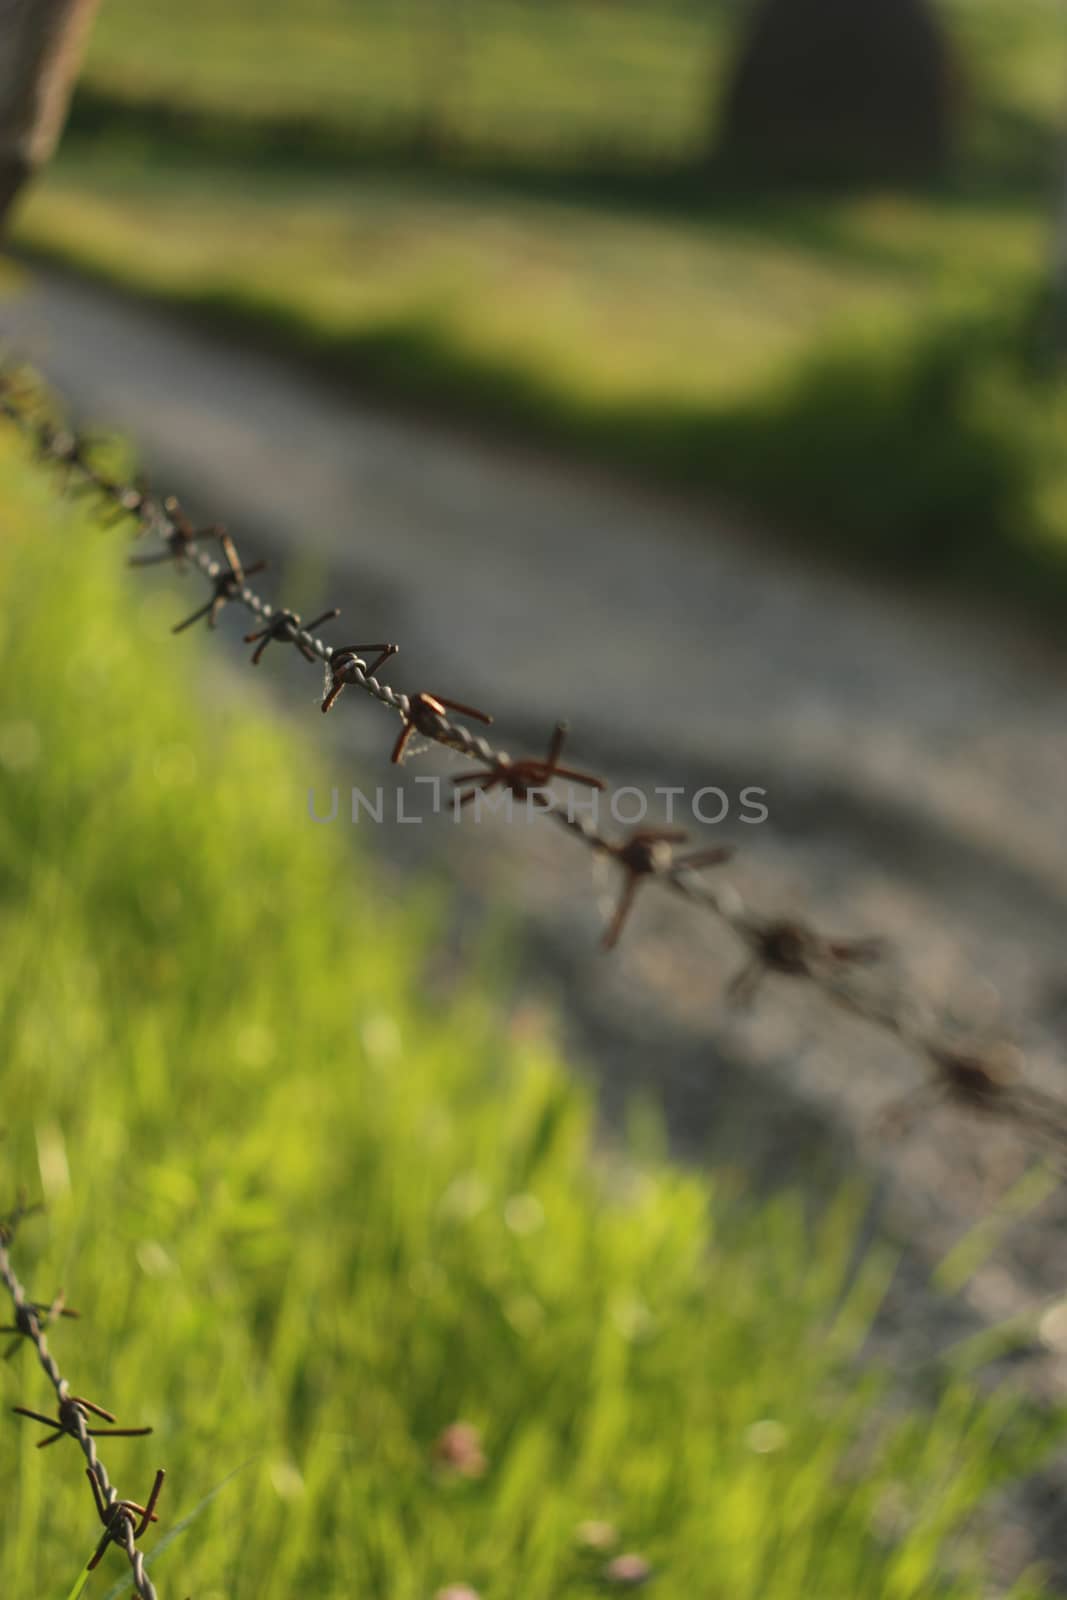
(315, 1200)
(599, 310)
(838, 364)
(562, 83)
(553, 83)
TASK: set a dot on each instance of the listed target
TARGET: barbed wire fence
(123, 1521)
(985, 1076)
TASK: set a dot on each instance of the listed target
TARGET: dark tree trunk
(41, 42)
(839, 90)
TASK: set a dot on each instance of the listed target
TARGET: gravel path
(915, 767)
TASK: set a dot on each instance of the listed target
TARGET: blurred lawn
(552, 81)
(313, 1208)
(595, 310)
(557, 82)
(859, 367)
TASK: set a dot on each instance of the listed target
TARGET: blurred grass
(838, 365)
(315, 1203)
(557, 83)
(552, 83)
(501, 209)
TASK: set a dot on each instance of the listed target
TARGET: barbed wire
(980, 1075)
(123, 1521)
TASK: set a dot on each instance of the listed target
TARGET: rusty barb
(527, 779)
(34, 1314)
(347, 665)
(794, 950)
(124, 1521)
(181, 535)
(428, 714)
(72, 1412)
(286, 628)
(650, 853)
(227, 582)
(969, 1078)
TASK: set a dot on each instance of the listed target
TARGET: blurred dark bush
(832, 90)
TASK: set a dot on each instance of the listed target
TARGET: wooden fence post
(41, 44)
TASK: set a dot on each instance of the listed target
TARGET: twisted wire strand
(970, 1073)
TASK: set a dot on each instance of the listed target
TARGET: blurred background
(799, 255)
(695, 371)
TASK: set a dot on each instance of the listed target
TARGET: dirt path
(915, 768)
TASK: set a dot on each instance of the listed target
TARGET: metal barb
(347, 666)
(72, 1413)
(427, 714)
(227, 583)
(32, 1315)
(177, 533)
(525, 777)
(286, 627)
(124, 1520)
(794, 950)
(649, 853)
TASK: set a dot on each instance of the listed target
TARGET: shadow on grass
(919, 460)
(921, 454)
(1010, 157)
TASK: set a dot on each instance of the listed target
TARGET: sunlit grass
(315, 1202)
(783, 353)
(605, 306)
(557, 82)
(517, 76)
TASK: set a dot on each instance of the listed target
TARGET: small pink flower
(628, 1571)
(458, 1449)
